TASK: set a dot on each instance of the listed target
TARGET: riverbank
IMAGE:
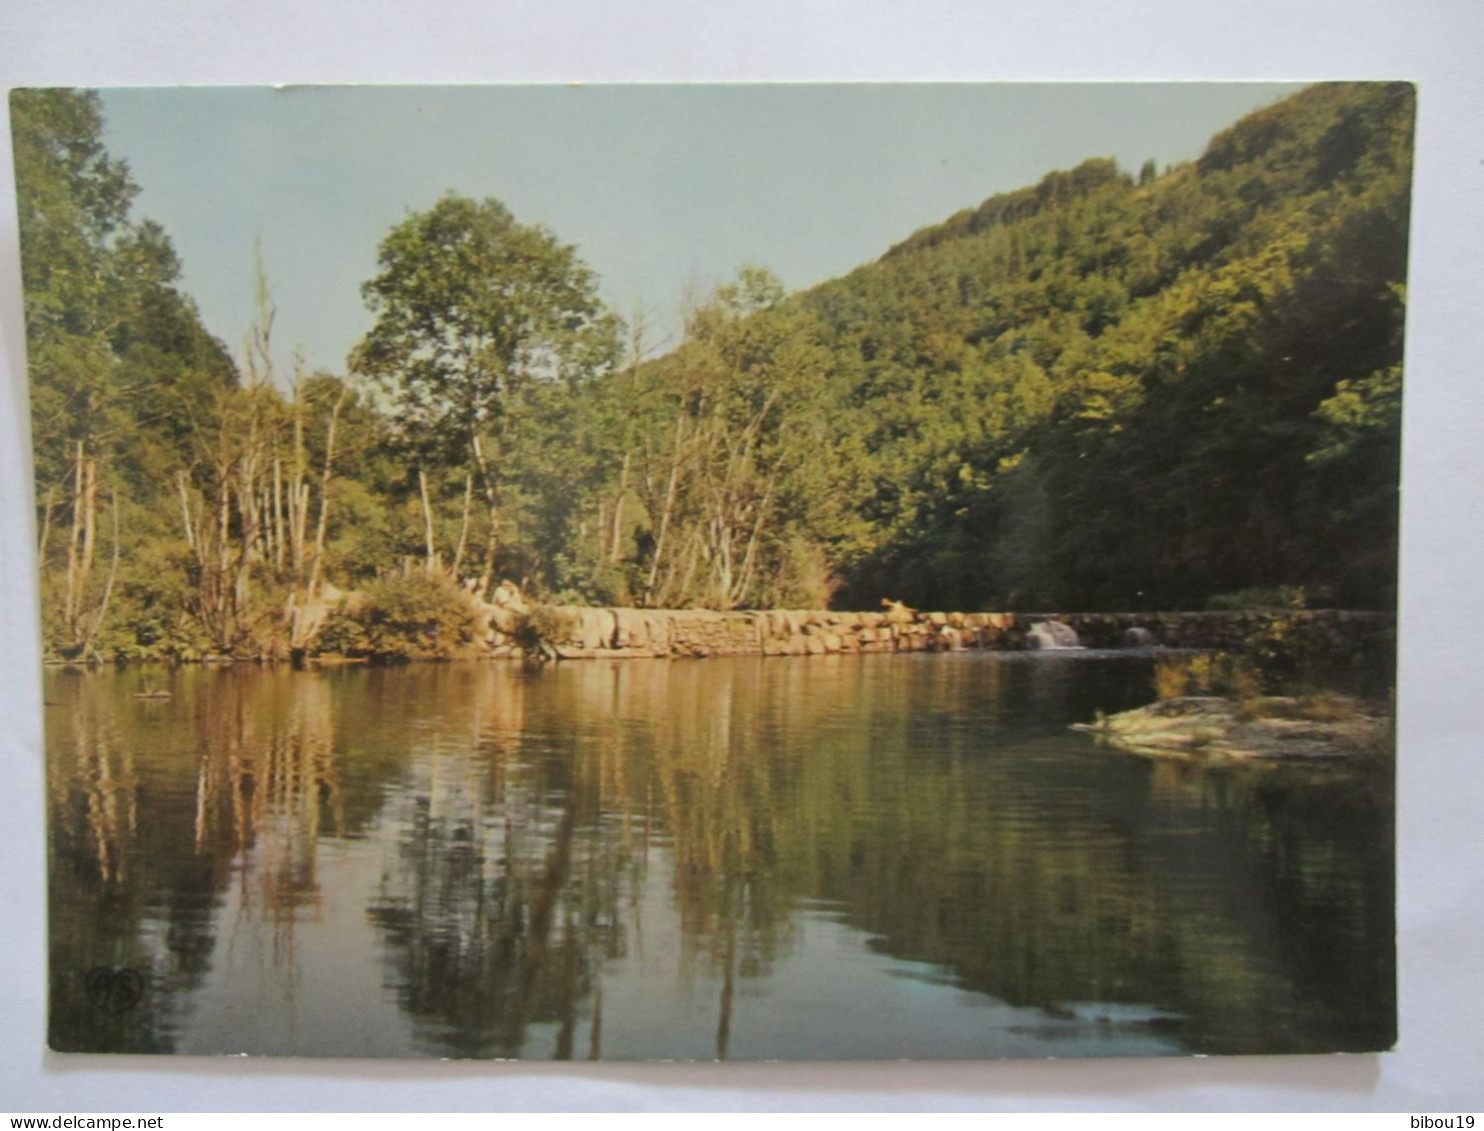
(513, 631)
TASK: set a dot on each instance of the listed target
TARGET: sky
(660, 187)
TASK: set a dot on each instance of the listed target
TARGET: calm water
(869, 857)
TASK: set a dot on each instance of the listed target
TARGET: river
(870, 857)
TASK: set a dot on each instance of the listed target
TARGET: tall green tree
(471, 308)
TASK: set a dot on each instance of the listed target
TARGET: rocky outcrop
(1266, 729)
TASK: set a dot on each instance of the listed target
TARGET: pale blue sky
(656, 185)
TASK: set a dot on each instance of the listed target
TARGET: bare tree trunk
(491, 553)
(278, 547)
(324, 494)
(623, 486)
(89, 537)
(74, 544)
(292, 507)
(246, 519)
(270, 525)
(692, 560)
(46, 526)
(301, 528)
(422, 493)
(185, 511)
(298, 488)
(749, 557)
(223, 520)
(492, 503)
(239, 584)
(458, 553)
(659, 544)
(720, 555)
(113, 568)
(247, 493)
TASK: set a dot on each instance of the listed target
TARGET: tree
(740, 488)
(472, 307)
(118, 357)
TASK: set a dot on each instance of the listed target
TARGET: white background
(1437, 43)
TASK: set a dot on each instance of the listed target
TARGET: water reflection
(846, 856)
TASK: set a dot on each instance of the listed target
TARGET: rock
(1271, 728)
(507, 596)
(897, 613)
(592, 629)
(632, 628)
(660, 630)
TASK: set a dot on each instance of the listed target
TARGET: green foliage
(1283, 597)
(150, 617)
(538, 629)
(1297, 655)
(739, 474)
(411, 616)
(1171, 391)
(1231, 675)
(1293, 654)
(1106, 395)
(121, 370)
(474, 311)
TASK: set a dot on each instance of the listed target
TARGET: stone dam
(603, 633)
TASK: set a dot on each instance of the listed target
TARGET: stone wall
(633, 633)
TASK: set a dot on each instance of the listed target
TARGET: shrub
(1283, 597)
(414, 616)
(538, 629)
(1295, 655)
(1232, 675)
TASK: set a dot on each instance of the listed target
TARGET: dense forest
(1179, 389)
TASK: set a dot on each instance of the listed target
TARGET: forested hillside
(1101, 391)
(1104, 392)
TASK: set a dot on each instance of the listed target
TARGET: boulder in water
(1273, 728)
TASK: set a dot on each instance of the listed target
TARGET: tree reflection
(519, 825)
(1026, 876)
(498, 906)
(235, 775)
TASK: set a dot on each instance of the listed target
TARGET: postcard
(738, 572)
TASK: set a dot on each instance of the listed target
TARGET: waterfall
(1048, 634)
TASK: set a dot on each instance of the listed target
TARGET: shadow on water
(873, 857)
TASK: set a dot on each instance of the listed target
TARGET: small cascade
(1045, 635)
(1139, 638)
